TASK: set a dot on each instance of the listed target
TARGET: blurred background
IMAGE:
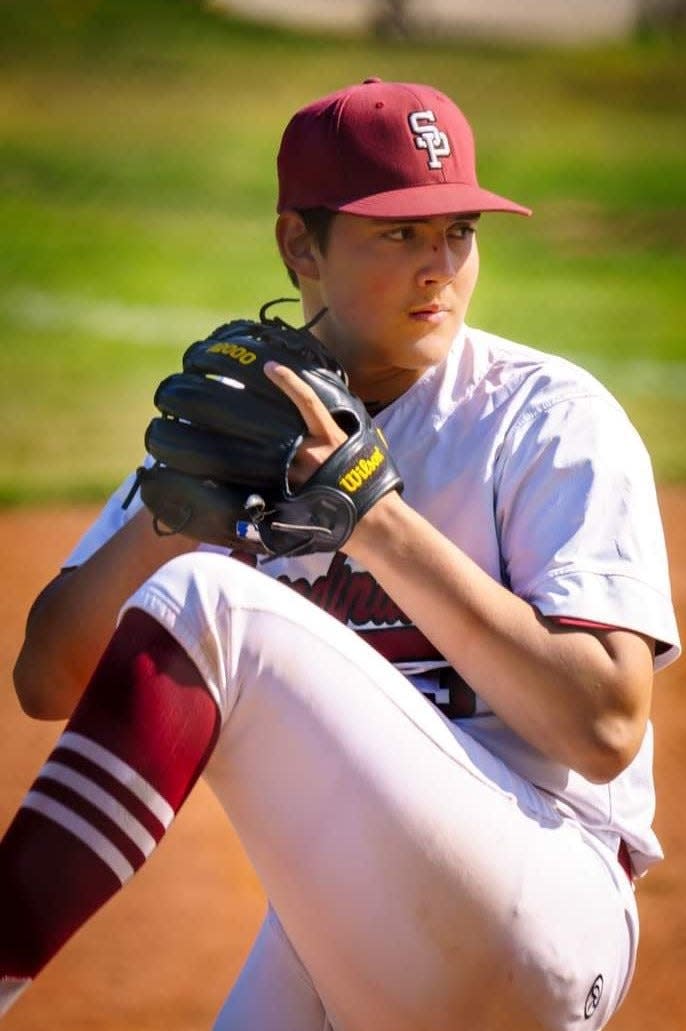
(137, 192)
(556, 21)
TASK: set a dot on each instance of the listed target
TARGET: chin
(432, 348)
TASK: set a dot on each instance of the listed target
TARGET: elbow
(602, 768)
(35, 701)
(24, 688)
(45, 683)
(613, 746)
(615, 726)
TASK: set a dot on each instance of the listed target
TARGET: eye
(400, 233)
(462, 230)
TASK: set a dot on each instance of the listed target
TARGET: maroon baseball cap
(386, 150)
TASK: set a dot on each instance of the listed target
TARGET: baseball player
(434, 738)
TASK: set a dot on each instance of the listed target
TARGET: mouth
(430, 312)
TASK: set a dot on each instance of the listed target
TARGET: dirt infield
(162, 954)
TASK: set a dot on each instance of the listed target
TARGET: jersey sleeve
(579, 520)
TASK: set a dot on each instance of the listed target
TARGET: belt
(625, 859)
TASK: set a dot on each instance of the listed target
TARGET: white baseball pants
(419, 884)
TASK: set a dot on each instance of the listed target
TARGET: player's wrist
(379, 525)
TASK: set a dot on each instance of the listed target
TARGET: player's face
(397, 292)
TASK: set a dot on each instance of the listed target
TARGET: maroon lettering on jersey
(356, 599)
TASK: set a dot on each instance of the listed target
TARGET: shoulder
(551, 416)
(526, 389)
(512, 367)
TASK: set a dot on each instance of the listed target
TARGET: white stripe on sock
(124, 773)
(84, 831)
(115, 810)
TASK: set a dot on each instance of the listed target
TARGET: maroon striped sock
(130, 754)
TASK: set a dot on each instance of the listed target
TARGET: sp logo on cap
(427, 137)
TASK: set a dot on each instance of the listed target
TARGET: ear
(296, 246)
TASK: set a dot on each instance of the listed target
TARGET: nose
(440, 265)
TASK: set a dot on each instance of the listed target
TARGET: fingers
(317, 418)
(324, 435)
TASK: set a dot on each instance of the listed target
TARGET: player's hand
(246, 454)
(324, 434)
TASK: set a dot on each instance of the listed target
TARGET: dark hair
(318, 225)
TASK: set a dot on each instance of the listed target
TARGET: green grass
(137, 186)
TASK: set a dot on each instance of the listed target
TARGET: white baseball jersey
(532, 468)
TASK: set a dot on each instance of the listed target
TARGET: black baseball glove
(227, 436)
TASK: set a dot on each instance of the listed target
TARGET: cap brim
(434, 199)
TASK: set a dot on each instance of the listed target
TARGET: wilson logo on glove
(366, 467)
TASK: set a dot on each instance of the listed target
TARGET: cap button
(373, 78)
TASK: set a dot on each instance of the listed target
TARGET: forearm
(73, 620)
(571, 694)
